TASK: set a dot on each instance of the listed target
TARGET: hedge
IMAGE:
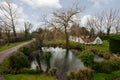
(107, 66)
(114, 42)
(87, 58)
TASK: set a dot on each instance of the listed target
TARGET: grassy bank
(4, 66)
(62, 43)
(103, 47)
(104, 76)
(28, 77)
(2, 48)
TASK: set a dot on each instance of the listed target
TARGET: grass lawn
(104, 76)
(4, 65)
(103, 47)
(46, 42)
(2, 48)
(62, 43)
(97, 76)
(28, 77)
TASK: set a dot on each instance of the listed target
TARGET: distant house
(97, 41)
(86, 40)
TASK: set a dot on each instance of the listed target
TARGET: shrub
(38, 56)
(114, 42)
(47, 57)
(18, 61)
(101, 53)
(108, 66)
(85, 74)
(73, 45)
(32, 46)
(26, 50)
(4, 67)
(81, 74)
(2, 42)
(77, 75)
(38, 44)
(87, 58)
(96, 66)
(31, 50)
(71, 75)
(62, 43)
(18, 39)
(104, 37)
(52, 71)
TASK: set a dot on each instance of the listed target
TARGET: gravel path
(117, 79)
(1, 77)
(6, 53)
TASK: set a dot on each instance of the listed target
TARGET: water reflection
(59, 57)
(62, 63)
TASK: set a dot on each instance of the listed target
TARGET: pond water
(63, 62)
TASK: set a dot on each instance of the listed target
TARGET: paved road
(1, 77)
(4, 54)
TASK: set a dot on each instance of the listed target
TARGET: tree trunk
(116, 30)
(0, 33)
(39, 62)
(67, 44)
(14, 32)
(13, 25)
(108, 31)
(40, 66)
(8, 38)
(26, 34)
(67, 41)
(48, 67)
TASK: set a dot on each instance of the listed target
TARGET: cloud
(85, 19)
(76, 18)
(20, 15)
(43, 3)
(97, 3)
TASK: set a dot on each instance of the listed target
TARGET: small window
(98, 41)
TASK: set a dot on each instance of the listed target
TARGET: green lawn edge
(5, 47)
(28, 77)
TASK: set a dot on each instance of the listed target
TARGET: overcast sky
(32, 9)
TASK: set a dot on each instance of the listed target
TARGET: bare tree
(9, 15)
(75, 30)
(64, 18)
(0, 31)
(99, 21)
(109, 19)
(28, 26)
(91, 26)
(57, 34)
(96, 24)
(104, 21)
(91, 23)
(117, 25)
(6, 31)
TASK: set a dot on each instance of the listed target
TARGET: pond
(63, 62)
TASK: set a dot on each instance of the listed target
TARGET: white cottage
(81, 40)
(96, 41)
